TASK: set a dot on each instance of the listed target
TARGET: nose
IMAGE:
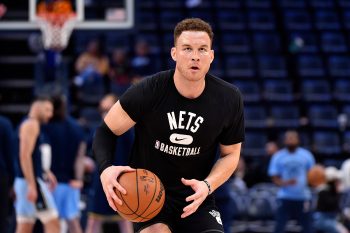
(195, 56)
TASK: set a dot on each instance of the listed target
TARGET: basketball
(144, 198)
(316, 176)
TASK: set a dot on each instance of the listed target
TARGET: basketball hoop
(56, 24)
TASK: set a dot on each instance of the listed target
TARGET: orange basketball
(144, 198)
(316, 176)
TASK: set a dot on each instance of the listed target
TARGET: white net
(56, 36)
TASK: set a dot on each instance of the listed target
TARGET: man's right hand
(32, 193)
(109, 181)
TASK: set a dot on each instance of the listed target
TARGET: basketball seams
(154, 194)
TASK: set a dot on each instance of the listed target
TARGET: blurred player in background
(6, 170)
(33, 197)
(289, 168)
(99, 211)
(66, 138)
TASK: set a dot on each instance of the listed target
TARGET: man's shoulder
(156, 81)
(304, 151)
(222, 85)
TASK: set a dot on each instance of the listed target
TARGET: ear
(212, 55)
(173, 53)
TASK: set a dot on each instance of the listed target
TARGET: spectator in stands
(120, 72)
(345, 173)
(98, 208)
(288, 169)
(6, 170)
(328, 204)
(33, 197)
(66, 138)
(92, 65)
(142, 63)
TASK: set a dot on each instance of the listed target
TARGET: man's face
(291, 140)
(46, 111)
(193, 54)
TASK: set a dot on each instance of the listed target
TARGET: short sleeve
(138, 99)
(273, 166)
(233, 131)
(311, 160)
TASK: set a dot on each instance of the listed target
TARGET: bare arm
(79, 167)
(221, 171)
(118, 120)
(28, 135)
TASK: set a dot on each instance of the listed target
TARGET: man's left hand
(200, 194)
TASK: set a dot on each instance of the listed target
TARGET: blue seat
(231, 20)
(272, 66)
(250, 90)
(297, 20)
(346, 18)
(261, 206)
(237, 42)
(342, 90)
(152, 39)
(333, 42)
(254, 144)
(263, 4)
(323, 116)
(326, 142)
(216, 68)
(119, 40)
(322, 3)
(285, 116)
(227, 4)
(169, 19)
(176, 4)
(292, 3)
(168, 42)
(278, 90)
(261, 20)
(344, 3)
(255, 117)
(310, 43)
(206, 15)
(339, 66)
(346, 143)
(310, 66)
(316, 91)
(240, 66)
(146, 20)
(346, 110)
(266, 43)
(326, 20)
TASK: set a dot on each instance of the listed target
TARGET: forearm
(27, 168)
(103, 147)
(79, 162)
(222, 170)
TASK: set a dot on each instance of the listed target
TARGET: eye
(203, 49)
(187, 49)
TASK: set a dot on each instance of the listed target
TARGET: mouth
(194, 68)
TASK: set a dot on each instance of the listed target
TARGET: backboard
(91, 14)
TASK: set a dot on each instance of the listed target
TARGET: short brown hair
(193, 24)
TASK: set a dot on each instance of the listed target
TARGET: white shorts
(26, 211)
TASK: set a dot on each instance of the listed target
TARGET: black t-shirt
(177, 137)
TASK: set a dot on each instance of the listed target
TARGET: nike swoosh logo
(182, 139)
(179, 139)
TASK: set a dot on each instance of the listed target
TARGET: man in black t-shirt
(180, 116)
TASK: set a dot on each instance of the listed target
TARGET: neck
(32, 115)
(187, 88)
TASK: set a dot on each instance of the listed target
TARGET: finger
(118, 187)
(187, 213)
(187, 182)
(128, 169)
(111, 203)
(190, 207)
(193, 197)
(114, 196)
